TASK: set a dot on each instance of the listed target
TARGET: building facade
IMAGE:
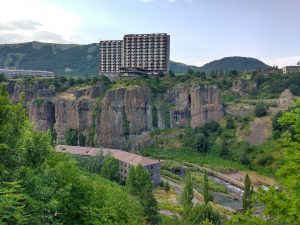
(13, 74)
(140, 54)
(291, 69)
(126, 160)
(110, 56)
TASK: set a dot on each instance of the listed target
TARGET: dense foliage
(139, 184)
(38, 186)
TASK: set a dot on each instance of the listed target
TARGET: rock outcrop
(195, 106)
(124, 113)
(42, 113)
(117, 118)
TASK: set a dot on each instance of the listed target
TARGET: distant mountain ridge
(75, 59)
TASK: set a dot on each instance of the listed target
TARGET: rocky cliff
(195, 106)
(117, 118)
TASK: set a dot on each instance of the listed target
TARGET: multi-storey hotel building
(110, 56)
(136, 54)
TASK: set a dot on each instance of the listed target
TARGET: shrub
(295, 89)
(261, 109)
(201, 213)
(229, 123)
(167, 186)
(265, 160)
(244, 160)
(71, 137)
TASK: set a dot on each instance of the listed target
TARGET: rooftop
(127, 157)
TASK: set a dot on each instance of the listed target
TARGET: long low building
(13, 74)
(126, 159)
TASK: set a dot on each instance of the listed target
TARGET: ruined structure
(126, 160)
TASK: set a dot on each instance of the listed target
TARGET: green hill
(228, 64)
(71, 59)
(60, 58)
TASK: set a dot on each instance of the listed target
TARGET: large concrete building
(291, 69)
(135, 54)
(13, 74)
(126, 159)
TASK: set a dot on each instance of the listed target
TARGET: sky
(200, 30)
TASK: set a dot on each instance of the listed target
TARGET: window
(125, 171)
(151, 167)
(151, 174)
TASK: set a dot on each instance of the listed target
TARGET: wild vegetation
(38, 186)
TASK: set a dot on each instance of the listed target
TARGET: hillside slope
(59, 58)
(234, 63)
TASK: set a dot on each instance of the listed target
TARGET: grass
(186, 154)
(213, 186)
(168, 200)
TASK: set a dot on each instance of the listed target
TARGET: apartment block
(140, 54)
(126, 160)
(291, 69)
(110, 56)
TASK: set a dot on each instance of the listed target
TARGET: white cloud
(36, 20)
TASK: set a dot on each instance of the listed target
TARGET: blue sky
(201, 30)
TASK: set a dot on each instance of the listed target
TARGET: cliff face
(120, 118)
(195, 106)
(124, 113)
(42, 113)
(74, 110)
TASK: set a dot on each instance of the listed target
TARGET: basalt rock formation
(117, 118)
(195, 106)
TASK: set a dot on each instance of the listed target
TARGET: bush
(201, 213)
(244, 160)
(229, 123)
(71, 137)
(261, 109)
(167, 186)
(295, 89)
(265, 160)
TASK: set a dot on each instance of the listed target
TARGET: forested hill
(71, 59)
(234, 63)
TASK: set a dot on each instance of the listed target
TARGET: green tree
(205, 188)
(71, 81)
(247, 193)
(139, 184)
(224, 149)
(2, 77)
(39, 186)
(79, 80)
(81, 139)
(201, 142)
(201, 213)
(260, 109)
(63, 79)
(167, 186)
(229, 123)
(110, 169)
(71, 137)
(281, 205)
(12, 204)
(187, 194)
